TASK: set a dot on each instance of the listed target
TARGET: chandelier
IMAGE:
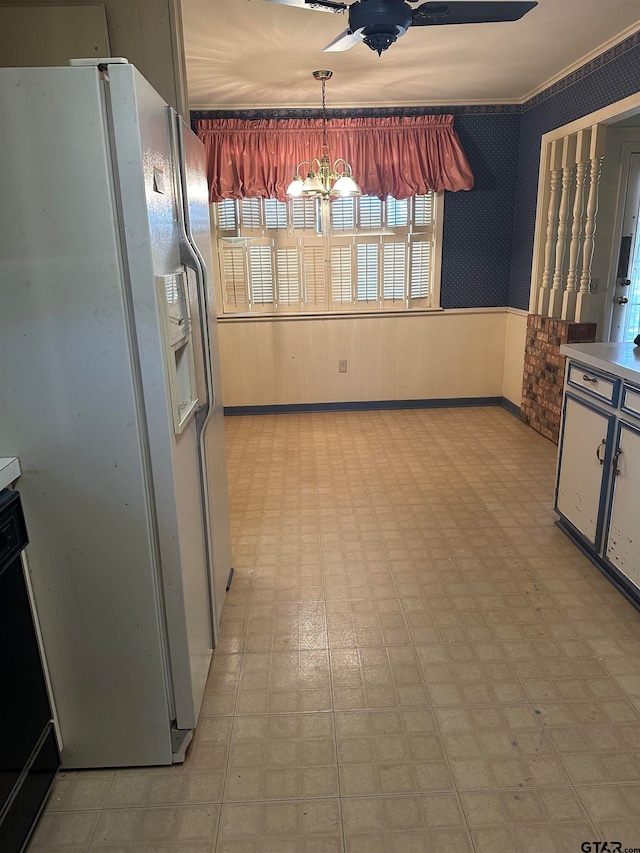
(323, 179)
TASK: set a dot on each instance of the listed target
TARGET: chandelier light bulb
(295, 187)
(312, 186)
(345, 186)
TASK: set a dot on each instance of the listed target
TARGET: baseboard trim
(511, 407)
(365, 406)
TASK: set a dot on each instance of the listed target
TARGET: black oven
(29, 757)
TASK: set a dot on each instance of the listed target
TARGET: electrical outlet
(342, 365)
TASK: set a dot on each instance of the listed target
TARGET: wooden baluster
(596, 154)
(582, 160)
(568, 165)
(555, 170)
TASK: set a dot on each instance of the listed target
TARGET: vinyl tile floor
(412, 659)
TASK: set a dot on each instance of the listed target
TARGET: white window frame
(262, 222)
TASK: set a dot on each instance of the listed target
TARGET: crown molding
(584, 60)
(404, 111)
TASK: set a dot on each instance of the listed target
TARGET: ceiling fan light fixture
(380, 23)
(379, 41)
(323, 179)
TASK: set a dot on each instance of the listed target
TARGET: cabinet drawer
(600, 385)
(630, 400)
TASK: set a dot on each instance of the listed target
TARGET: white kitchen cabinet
(585, 451)
(598, 479)
(623, 535)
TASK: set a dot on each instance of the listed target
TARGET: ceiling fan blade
(473, 12)
(319, 5)
(344, 41)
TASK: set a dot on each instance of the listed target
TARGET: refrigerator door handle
(188, 259)
(191, 258)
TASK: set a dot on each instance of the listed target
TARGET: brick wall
(543, 378)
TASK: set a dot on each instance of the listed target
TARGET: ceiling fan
(379, 23)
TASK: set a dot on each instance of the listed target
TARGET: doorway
(625, 273)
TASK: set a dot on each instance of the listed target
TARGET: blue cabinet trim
(608, 454)
(623, 403)
(613, 401)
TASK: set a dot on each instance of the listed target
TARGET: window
(307, 256)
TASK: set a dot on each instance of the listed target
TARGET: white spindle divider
(570, 206)
(555, 171)
(568, 167)
(596, 154)
(569, 299)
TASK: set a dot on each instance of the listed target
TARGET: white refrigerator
(110, 397)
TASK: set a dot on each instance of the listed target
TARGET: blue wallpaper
(477, 235)
(488, 232)
(476, 244)
(608, 78)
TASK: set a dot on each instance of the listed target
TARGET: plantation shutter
(342, 272)
(368, 274)
(234, 278)
(423, 210)
(304, 214)
(227, 215)
(314, 274)
(370, 212)
(275, 214)
(419, 267)
(261, 274)
(343, 214)
(375, 254)
(250, 218)
(394, 262)
(288, 275)
(397, 212)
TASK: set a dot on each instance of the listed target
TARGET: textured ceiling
(251, 54)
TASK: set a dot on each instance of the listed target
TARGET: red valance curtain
(396, 156)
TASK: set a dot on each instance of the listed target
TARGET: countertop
(621, 359)
(9, 470)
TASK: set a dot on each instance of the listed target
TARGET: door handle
(598, 457)
(622, 300)
(614, 463)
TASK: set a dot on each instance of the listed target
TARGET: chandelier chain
(324, 115)
(323, 179)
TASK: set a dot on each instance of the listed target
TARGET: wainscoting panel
(516, 333)
(441, 355)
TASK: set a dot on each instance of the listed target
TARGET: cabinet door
(623, 538)
(585, 451)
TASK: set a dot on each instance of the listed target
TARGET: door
(585, 449)
(623, 539)
(212, 442)
(625, 319)
(151, 207)
(72, 415)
